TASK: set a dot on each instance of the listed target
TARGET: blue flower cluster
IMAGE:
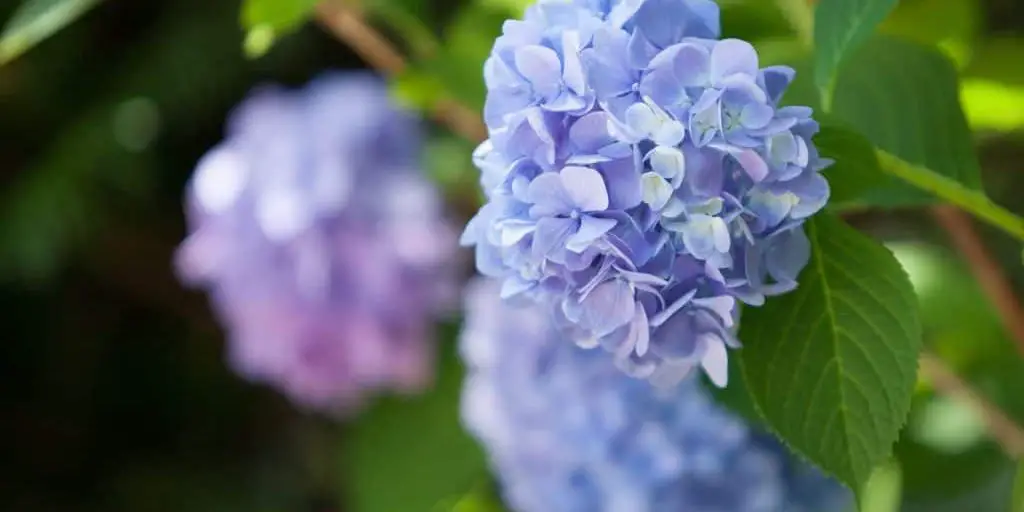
(324, 249)
(642, 179)
(567, 431)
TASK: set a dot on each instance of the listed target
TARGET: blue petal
(756, 115)
(590, 133)
(775, 80)
(585, 187)
(715, 360)
(515, 285)
(732, 57)
(788, 255)
(609, 306)
(572, 69)
(591, 228)
(551, 235)
(549, 196)
(541, 67)
(722, 306)
(813, 191)
(623, 179)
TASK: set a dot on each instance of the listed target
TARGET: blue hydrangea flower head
(324, 250)
(565, 430)
(642, 180)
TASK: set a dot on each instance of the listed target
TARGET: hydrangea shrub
(325, 252)
(565, 430)
(642, 180)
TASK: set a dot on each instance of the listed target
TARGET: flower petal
(541, 67)
(551, 235)
(591, 228)
(656, 190)
(548, 196)
(585, 188)
(732, 57)
(609, 306)
(715, 360)
(669, 162)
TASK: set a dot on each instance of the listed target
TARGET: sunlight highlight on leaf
(35, 20)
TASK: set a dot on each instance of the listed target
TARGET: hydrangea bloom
(642, 179)
(322, 247)
(566, 431)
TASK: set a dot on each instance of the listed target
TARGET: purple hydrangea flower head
(322, 247)
(642, 180)
(565, 430)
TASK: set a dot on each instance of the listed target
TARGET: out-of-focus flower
(642, 179)
(325, 252)
(566, 431)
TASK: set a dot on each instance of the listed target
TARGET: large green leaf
(855, 169)
(904, 98)
(832, 365)
(410, 455)
(840, 26)
(36, 20)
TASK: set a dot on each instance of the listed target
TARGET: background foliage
(116, 397)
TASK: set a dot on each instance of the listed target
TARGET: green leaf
(266, 20)
(856, 168)
(279, 14)
(952, 25)
(36, 20)
(840, 27)
(482, 499)
(832, 365)
(882, 491)
(736, 396)
(410, 455)
(416, 89)
(904, 98)
(467, 43)
(1017, 502)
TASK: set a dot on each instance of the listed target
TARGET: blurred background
(115, 393)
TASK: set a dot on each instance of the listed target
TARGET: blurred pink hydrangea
(325, 251)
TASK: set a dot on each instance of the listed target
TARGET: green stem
(972, 201)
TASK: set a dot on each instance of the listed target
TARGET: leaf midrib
(830, 313)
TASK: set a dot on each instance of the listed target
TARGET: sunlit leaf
(36, 20)
(265, 20)
(882, 492)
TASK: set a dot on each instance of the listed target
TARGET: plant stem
(998, 424)
(347, 25)
(972, 201)
(985, 269)
(420, 40)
